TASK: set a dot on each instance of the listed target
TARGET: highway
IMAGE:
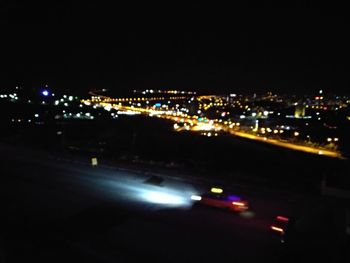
(54, 210)
(288, 145)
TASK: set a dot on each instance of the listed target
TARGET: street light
(45, 93)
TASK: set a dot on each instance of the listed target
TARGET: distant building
(299, 111)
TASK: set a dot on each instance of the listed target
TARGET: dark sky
(208, 48)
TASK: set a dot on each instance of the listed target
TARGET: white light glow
(196, 197)
(163, 198)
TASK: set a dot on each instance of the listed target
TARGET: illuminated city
(310, 124)
(169, 132)
(264, 118)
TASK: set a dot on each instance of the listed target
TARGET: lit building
(299, 111)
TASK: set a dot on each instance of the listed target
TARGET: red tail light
(278, 229)
(238, 203)
(282, 218)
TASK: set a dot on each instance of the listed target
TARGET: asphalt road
(53, 211)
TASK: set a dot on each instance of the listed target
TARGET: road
(289, 145)
(54, 210)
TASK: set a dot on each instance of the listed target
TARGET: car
(316, 235)
(216, 198)
(281, 226)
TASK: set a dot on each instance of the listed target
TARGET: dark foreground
(54, 211)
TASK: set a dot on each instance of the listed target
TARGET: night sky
(208, 48)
